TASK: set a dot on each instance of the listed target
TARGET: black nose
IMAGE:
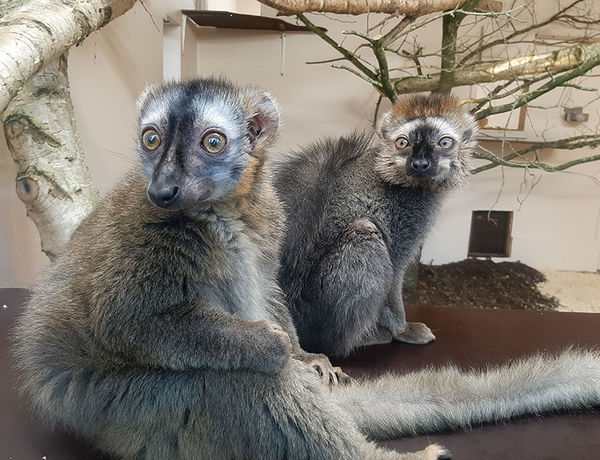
(163, 195)
(420, 164)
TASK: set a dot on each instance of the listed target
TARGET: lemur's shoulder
(321, 160)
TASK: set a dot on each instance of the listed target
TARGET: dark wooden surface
(466, 337)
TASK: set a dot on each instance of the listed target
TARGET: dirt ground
(483, 284)
(576, 291)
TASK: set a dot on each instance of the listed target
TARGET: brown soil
(480, 284)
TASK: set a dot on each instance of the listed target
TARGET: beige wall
(556, 227)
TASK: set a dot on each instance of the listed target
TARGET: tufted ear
(148, 92)
(384, 124)
(470, 127)
(263, 123)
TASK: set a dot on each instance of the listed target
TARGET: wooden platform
(466, 337)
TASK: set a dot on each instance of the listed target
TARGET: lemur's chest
(404, 216)
(243, 284)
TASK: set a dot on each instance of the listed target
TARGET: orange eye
(214, 142)
(151, 139)
(402, 142)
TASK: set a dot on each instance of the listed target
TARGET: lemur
(160, 333)
(358, 209)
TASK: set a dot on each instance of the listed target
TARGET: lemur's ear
(470, 127)
(263, 123)
(384, 124)
(148, 92)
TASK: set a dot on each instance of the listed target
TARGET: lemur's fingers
(431, 452)
(322, 367)
(327, 376)
(343, 378)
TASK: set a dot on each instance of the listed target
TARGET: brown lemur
(358, 209)
(160, 332)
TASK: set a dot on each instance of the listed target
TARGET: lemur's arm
(196, 335)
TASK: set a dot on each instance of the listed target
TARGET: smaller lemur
(358, 209)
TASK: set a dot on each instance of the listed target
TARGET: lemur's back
(313, 184)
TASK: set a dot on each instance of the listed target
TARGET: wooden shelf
(228, 20)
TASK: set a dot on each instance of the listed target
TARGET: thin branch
(544, 166)
(523, 31)
(376, 114)
(396, 31)
(375, 83)
(387, 86)
(343, 51)
(564, 59)
(571, 143)
(523, 99)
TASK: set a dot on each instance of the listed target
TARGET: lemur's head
(198, 139)
(427, 141)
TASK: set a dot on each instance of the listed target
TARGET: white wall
(556, 227)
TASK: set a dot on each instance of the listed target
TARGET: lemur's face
(196, 140)
(427, 148)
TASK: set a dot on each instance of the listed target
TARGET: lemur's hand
(275, 346)
(321, 365)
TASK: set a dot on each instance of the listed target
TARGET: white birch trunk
(53, 180)
(42, 30)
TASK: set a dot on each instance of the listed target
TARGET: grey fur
(356, 217)
(448, 398)
(144, 338)
(159, 333)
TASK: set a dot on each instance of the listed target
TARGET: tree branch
(516, 33)
(564, 59)
(450, 25)
(356, 7)
(53, 180)
(570, 143)
(27, 44)
(348, 55)
(587, 64)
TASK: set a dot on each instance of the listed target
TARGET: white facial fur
(443, 125)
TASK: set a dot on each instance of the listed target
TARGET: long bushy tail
(448, 398)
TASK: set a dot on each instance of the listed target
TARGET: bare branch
(396, 7)
(523, 31)
(348, 55)
(450, 25)
(570, 143)
(589, 63)
(564, 59)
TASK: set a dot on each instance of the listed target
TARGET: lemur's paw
(343, 378)
(416, 333)
(436, 452)
(275, 346)
(328, 374)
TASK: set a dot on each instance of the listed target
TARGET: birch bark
(53, 180)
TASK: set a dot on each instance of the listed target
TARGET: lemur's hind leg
(393, 318)
(346, 291)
